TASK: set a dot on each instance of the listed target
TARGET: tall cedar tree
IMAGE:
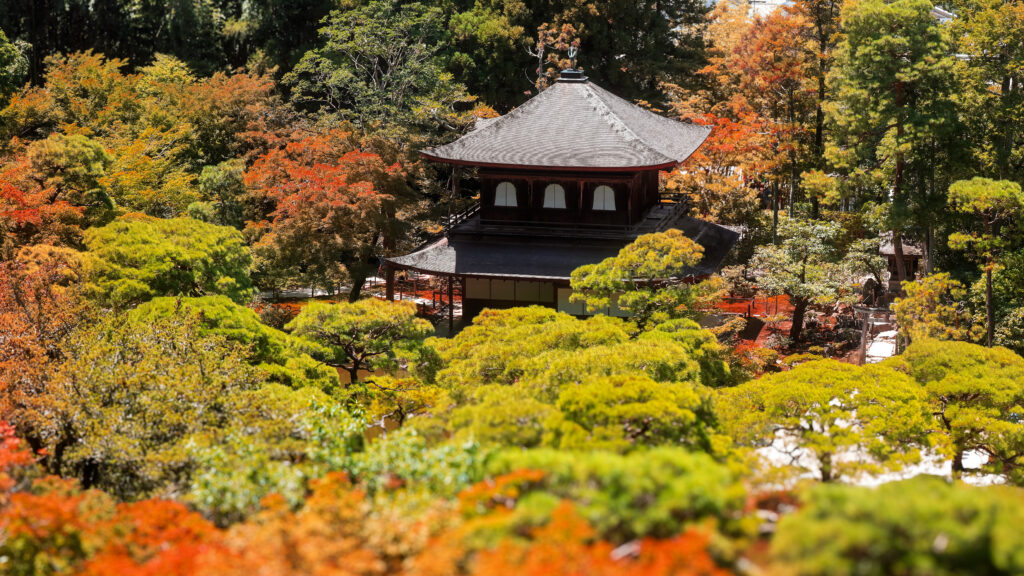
(890, 106)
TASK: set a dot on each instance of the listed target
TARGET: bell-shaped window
(505, 195)
(604, 198)
(554, 196)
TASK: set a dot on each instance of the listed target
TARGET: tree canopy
(364, 335)
(651, 279)
(136, 258)
(277, 354)
(975, 393)
(831, 420)
(919, 526)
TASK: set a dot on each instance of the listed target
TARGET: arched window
(604, 198)
(505, 195)
(554, 196)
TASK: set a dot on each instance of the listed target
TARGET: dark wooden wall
(635, 193)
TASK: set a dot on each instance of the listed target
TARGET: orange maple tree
(568, 545)
(30, 213)
(40, 304)
(330, 210)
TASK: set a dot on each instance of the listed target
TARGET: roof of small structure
(575, 124)
(886, 247)
(551, 261)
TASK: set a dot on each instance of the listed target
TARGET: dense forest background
(169, 168)
(488, 46)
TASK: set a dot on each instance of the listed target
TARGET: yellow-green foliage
(935, 307)
(647, 279)
(136, 258)
(925, 526)
(656, 492)
(368, 334)
(978, 396)
(622, 411)
(274, 352)
(842, 419)
(533, 376)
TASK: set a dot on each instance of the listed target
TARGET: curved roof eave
(662, 166)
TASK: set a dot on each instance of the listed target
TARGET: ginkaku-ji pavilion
(567, 179)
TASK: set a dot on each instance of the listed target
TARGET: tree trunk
(792, 186)
(958, 463)
(929, 250)
(826, 468)
(901, 265)
(863, 353)
(819, 108)
(799, 309)
(775, 214)
(90, 474)
(358, 280)
(1004, 148)
(897, 193)
(353, 373)
(988, 306)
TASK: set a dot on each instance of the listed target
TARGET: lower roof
(512, 258)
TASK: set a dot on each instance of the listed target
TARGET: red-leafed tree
(718, 177)
(330, 208)
(40, 305)
(154, 538)
(32, 214)
(13, 456)
(759, 96)
(67, 530)
(772, 66)
(235, 115)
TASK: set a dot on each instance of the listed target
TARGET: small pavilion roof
(575, 124)
(886, 248)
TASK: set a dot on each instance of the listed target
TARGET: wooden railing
(672, 207)
(456, 219)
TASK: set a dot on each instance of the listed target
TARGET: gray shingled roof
(886, 248)
(576, 124)
(489, 258)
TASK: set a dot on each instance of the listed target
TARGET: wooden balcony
(660, 217)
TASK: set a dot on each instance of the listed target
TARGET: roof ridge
(618, 124)
(605, 95)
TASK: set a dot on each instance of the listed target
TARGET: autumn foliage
(569, 546)
(60, 528)
(30, 213)
(328, 206)
(40, 305)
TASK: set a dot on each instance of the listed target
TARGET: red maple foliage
(40, 305)
(330, 208)
(31, 214)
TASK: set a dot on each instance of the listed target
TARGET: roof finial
(574, 49)
(572, 74)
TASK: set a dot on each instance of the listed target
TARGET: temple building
(566, 179)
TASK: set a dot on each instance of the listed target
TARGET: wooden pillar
(863, 353)
(451, 304)
(389, 282)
